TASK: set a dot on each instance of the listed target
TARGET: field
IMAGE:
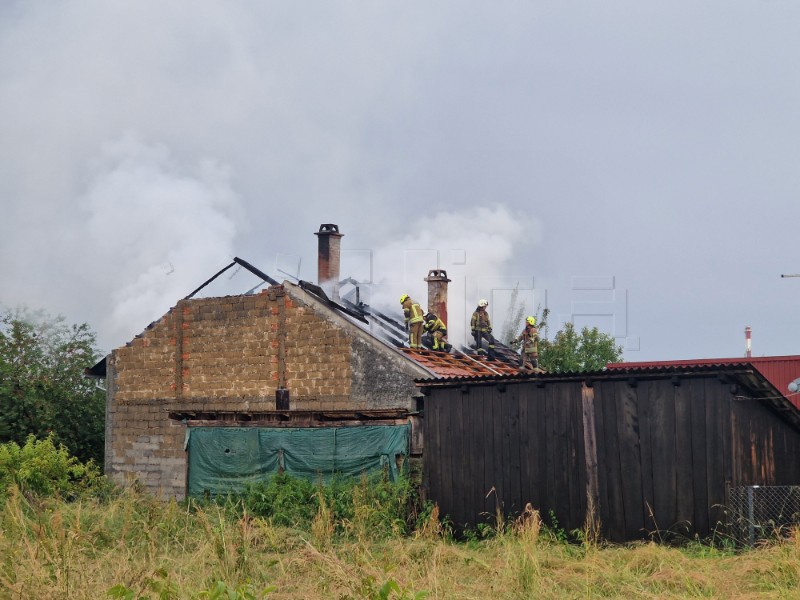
(131, 546)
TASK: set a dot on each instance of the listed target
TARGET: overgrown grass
(365, 538)
(133, 546)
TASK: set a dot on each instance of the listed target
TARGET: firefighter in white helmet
(481, 326)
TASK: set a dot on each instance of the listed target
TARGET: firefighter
(438, 330)
(481, 327)
(412, 312)
(529, 357)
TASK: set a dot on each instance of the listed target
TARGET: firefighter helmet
(483, 302)
(403, 298)
(531, 321)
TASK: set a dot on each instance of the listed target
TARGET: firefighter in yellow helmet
(413, 314)
(481, 326)
(438, 332)
(529, 357)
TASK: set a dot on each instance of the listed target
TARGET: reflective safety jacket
(530, 340)
(435, 325)
(412, 311)
(480, 321)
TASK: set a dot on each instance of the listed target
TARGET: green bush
(285, 500)
(40, 469)
(368, 505)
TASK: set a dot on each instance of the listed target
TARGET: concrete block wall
(231, 354)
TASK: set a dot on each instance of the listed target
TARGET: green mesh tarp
(226, 459)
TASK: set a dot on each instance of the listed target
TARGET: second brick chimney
(328, 259)
(437, 293)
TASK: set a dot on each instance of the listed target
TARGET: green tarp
(226, 459)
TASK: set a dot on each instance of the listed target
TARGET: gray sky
(635, 163)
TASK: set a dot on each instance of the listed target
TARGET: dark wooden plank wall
(684, 462)
(695, 390)
(665, 453)
(718, 417)
(486, 449)
(764, 448)
(664, 456)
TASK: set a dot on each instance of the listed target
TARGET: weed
(525, 551)
(555, 530)
(389, 590)
(220, 590)
(323, 526)
(159, 583)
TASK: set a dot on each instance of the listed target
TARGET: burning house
(296, 377)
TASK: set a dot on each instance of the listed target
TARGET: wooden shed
(651, 449)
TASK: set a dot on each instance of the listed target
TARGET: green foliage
(285, 500)
(555, 529)
(42, 386)
(389, 590)
(571, 352)
(40, 469)
(371, 506)
(222, 591)
(159, 583)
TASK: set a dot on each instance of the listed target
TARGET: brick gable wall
(231, 354)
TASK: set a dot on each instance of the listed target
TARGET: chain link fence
(762, 512)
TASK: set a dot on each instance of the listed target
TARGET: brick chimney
(437, 293)
(328, 259)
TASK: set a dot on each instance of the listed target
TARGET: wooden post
(590, 452)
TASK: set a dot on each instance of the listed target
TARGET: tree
(570, 352)
(42, 387)
(516, 311)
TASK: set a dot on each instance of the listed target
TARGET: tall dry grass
(135, 547)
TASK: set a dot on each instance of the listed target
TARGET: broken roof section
(242, 263)
(390, 330)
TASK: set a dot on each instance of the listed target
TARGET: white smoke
(478, 248)
(158, 228)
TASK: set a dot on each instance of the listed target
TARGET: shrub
(40, 469)
(369, 506)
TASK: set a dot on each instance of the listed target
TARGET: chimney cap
(437, 275)
(329, 229)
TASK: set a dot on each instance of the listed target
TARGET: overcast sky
(631, 165)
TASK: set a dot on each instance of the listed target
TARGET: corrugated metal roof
(778, 370)
(514, 375)
(735, 371)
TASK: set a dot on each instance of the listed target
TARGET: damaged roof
(459, 364)
(390, 330)
(462, 362)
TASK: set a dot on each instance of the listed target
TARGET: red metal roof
(458, 364)
(778, 370)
